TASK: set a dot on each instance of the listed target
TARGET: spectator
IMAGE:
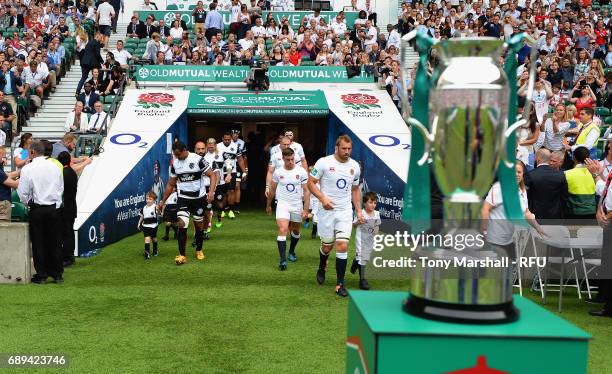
(68, 144)
(88, 98)
(104, 19)
(546, 189)
(214, 21)
(34, 82)
(553, 131)
(199, 17)
(394, 37)
(136, 28)
(122, 56)
(176, 31)
(99, 119)
(148, 5)
(21, 154)
(91, 59)
(76, 121)
(68, 210)
(149, 28)
(162, 29)
(152, 48)
(7, 181)
(581, 201)
(96, 81)
(41, 187)
(9, 83)
(7, 116)
(587, 97)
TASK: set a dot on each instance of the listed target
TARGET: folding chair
(594, 263)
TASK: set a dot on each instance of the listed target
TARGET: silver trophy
(468, 113)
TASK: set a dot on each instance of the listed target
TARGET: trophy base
(461, 313)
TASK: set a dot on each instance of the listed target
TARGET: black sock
(199, 239)
(281, 242)
(154, 247)
(340, 267)
(182, 240)
(314, 229)
(167, 231)
(322, 259)
(227, 208)
(307, 220)
(174, 229)
(147, 247)
(237, 207)
(362, 271)
(294, 240)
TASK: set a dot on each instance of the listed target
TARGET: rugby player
(231, 154)
(276, 160)
(338, 178)
(293, 200)
(241, 173)
(297, 148)
(186, 175)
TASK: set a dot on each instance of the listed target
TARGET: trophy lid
(469, 47)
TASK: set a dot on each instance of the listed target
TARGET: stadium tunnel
(137, 149)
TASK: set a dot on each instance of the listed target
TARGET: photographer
(394, 84)
(258, 78)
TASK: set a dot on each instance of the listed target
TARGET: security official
(41, 187)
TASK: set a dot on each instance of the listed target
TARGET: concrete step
(61, 100)
(57, 132)
(54, 135)
(50, 110)
(44, 122)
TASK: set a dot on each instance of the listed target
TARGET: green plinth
(382, 338)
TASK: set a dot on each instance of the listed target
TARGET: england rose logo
(155, 100)
(360, 101)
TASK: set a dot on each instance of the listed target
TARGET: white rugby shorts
(334, 225)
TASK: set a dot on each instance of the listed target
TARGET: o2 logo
(387, 141)
(128, 139)
(341, 184)
(290, 187)
(93, 235)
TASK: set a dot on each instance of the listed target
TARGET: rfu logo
(215, 99)
(143, 73)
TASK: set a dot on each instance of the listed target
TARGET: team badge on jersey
(331, 168)
(281, 177)
(191, 165)
(297, 176)
(200, 211)
(352, 171)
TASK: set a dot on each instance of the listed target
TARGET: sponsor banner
(135, 160)
(295, 17)
(276, 74)
(261, 103)
(315, 74)
(188, 73)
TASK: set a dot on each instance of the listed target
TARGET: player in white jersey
(186, 175)
(241, 173)
(338, 177)
(231, 154)
(276, 160)
(148, 224)
(297, 148)
(289, 186)
(364, 237)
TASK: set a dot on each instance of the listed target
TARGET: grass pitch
(234, 312)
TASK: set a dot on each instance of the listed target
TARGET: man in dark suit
(91, 59)
(178, 15)
(546, 189)
(88, 98)
(149, 27)
(136, 29)
(16, 20)
(164, 31)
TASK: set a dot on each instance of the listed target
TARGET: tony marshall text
(464, 262)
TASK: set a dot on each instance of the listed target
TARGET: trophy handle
(515, 126)
(426, 134)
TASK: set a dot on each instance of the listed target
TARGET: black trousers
(45, 236)
(605, 284)
(85, 69)
(67, 238)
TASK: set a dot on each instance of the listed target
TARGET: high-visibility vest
(581, 191)
(585, 132)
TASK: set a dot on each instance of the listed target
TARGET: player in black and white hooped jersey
(289, 185)
(186, 174)
(223, 169)
(169, 214)
(240, 173)
(276, 160)
(233, 156)
(338, 178)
